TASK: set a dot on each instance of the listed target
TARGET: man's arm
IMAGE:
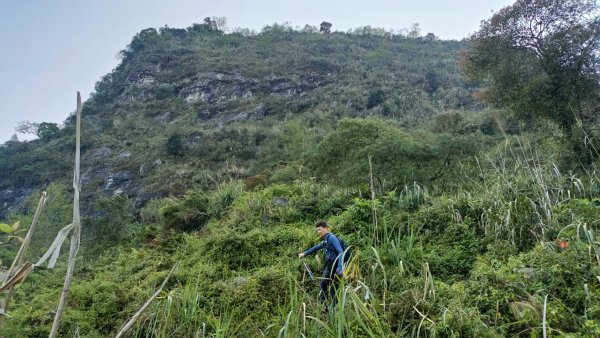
(311, 250)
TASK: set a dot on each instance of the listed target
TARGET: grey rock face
(102, 152)
(144, 169)
(260, 111)
(228, 118)
(120, 183)
(164, 117)
(92, 174)
(12, 198)
(205, 115)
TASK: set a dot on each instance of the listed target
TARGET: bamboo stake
(373, 209)
(18, 277)
(544, 319)
(25, 245)
(16, 264)
(76, 230)
(133, 319)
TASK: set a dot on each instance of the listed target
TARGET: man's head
(322, 228)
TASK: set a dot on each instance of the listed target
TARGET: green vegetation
(218, 152)
(540, 58)
(474, 260)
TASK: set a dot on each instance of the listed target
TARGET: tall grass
(521, 192)
(520, 198)
(178, 313)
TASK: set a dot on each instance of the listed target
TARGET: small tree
(26, 127)
(325, 27)
(44, 130)
(216, 23)
(47, 130)
(175, 145)
(539, 58)
(163, 91)
(415, 31)
(375, 98)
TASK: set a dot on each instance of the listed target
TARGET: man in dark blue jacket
(333, 263)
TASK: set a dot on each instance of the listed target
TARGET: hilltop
(185, 104)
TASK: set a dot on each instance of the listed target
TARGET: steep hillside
(186, 107)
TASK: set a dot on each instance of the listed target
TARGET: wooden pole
(373, 208)
(131, 321)
(25, 245)
(75, 235)
(544, 332)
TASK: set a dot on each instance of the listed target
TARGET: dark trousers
(328, 284)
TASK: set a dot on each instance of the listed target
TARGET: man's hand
(339, 272)
(301, 255)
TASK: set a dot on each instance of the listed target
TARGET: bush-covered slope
(475, 261)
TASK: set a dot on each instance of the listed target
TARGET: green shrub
(114, 221)
(163, 91)
(174, 145)
(186, 214)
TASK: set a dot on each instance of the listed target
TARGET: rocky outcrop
(218, 87)
(101, 153)
(110, 183)
(164, 117)
(12, 198)
(122, 182)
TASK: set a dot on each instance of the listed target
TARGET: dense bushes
(437, 254)
(398, 157)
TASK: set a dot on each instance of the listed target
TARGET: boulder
(102, 152)
(122, 182)
(12, 198)
(164, 117)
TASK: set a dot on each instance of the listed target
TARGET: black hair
(321, 224)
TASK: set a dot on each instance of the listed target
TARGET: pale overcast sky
(52, 49)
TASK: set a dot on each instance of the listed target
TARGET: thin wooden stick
(544, 319)
(25, 245)
(18, 277)
(76, 230)
(422, 315)
(134, 318)
(373, 208)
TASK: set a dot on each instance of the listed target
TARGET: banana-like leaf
(16, 226)
(5, 228)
